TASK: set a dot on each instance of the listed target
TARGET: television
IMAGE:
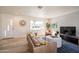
(70, 30)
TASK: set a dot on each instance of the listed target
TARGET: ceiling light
(40, 7)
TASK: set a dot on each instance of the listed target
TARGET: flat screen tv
(70, 30)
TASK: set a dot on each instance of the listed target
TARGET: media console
(69, 38)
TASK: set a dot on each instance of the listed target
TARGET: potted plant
(48, 25)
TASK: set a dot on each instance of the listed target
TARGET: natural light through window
(36, 25)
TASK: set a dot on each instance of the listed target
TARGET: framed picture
(54, 25)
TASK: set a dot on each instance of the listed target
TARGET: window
(36, 25)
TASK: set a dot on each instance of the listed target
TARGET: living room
(57, 25)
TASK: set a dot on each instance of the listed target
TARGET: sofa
(58, 40)
(51, 47)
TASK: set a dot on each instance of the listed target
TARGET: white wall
(68, 20)
(5, 22)
(15, 29)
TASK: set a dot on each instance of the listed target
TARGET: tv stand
(69, 38)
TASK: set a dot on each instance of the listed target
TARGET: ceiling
(45, 11)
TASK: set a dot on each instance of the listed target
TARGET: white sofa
(58, 40)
